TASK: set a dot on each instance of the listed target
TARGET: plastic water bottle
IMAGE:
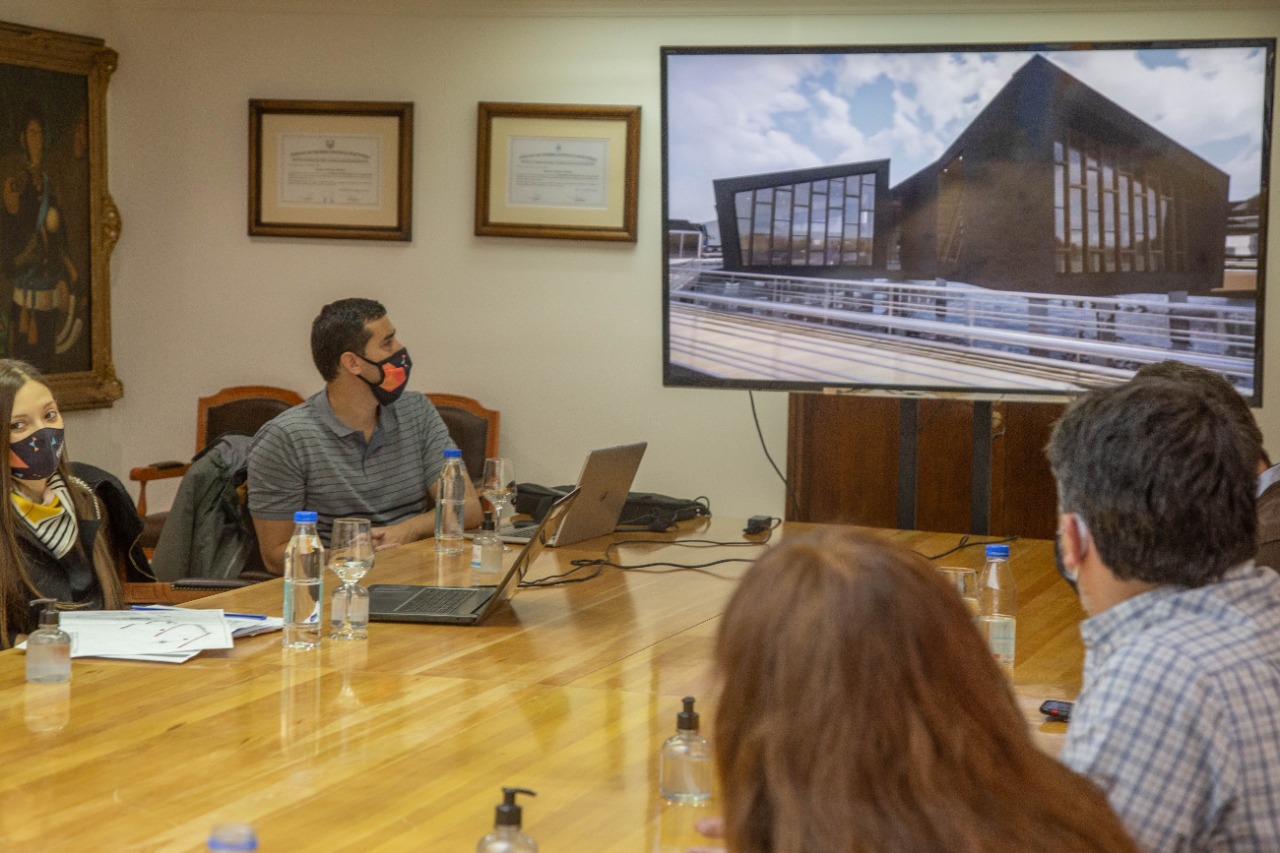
(685, 762)
(998, 606)
(508, 835)
(303, 584)
(451, 504)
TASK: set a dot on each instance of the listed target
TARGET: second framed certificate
(557, 170)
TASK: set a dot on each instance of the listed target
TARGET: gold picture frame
(58, 224)
(331, 169)
(560, 171)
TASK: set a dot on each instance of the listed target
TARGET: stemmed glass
(498, 486)
(350, 557)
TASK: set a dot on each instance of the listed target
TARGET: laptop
(463, 605)
(603, 487)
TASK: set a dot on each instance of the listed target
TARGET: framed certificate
(335, 169)
(559, 171)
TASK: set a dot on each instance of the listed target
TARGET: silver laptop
(603, 487)
(464, 605)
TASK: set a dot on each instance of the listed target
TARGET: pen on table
(233, 615)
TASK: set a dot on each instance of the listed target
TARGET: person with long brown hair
(861, 711)
(54, 539)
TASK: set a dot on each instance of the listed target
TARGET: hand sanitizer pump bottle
(507, 836)
(48, 648)
(685, 763)
(486, 548)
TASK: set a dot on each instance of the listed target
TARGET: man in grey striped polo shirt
(360, 447)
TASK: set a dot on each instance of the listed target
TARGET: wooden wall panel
(844, 455)
(944, 472)
(842, 460)
(1024, 496)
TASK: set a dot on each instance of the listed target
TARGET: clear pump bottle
(507, 836)
(48, 648)
(685, 763)
(486, 548)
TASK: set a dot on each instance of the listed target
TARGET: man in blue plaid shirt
(1179, 718)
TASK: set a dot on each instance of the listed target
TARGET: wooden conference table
(402, 742)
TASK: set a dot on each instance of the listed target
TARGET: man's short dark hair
(1163, 478)
(1210, 383)
(339, 328)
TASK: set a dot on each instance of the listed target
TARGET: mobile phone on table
(1057, 710)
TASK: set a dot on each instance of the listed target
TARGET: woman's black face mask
(36, 456)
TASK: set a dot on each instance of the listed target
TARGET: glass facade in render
(1112, 214)
(821, 223)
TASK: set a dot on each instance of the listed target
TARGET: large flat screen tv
(980, 220)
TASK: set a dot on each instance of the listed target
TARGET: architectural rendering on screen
(997, 221)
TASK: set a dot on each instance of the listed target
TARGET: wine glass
(965, 583)
(350, 557)
(498, 486)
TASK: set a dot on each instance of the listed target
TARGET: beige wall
(198, 305)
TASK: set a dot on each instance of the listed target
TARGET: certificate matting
(330, 169)
(558, 171)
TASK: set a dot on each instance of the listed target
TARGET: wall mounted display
(980, 220)
(335, 169)
(58, 224)
(557, 170)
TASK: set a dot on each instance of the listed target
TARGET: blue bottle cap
(233, 836)
(304, 517)
(452, 453)
(1000, 552)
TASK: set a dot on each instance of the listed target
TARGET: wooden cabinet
(927, 464)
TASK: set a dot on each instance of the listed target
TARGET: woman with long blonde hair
(54, 539)
(861, 711)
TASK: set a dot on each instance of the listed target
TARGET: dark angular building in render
(821, 222)
(1052, 188)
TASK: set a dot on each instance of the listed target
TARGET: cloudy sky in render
(743, 114)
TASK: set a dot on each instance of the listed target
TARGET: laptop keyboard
(443, 600)
(523, 534)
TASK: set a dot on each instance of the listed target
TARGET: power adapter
(758, 524)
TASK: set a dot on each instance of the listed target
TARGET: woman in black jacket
(54, 537)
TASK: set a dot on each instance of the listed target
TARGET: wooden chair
(473, 428)
(242, 408)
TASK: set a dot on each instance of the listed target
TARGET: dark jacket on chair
(207, 534)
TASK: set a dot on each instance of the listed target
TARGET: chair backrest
(240, 409)
(473, 428)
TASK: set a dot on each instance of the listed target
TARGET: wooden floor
(403, 742)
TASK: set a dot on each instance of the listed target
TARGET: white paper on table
(242, 624)
(182, 658)
(174, 658)
(134, 633)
